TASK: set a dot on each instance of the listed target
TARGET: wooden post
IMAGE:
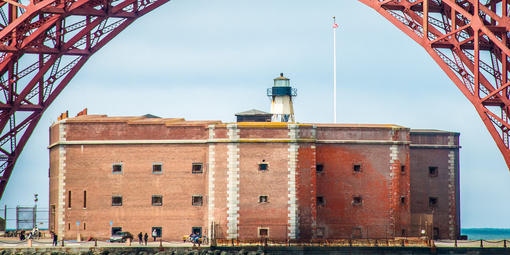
(481, 243)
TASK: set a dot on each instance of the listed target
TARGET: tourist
(145, 238)
(55, 237)
(154, 234)
(140, 238)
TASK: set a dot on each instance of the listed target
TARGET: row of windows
(358, 200)
(433, 170)
(157, 168)
(157, 200)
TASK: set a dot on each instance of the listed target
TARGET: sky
(209, 59)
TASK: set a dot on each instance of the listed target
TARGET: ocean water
(486, 233)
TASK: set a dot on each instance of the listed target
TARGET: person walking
(145, 237)
(154, 234)
(55, 238)
(140, 238)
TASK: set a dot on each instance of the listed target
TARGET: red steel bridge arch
(44, 43)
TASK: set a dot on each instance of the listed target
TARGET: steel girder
(469, 39)
(43, 44)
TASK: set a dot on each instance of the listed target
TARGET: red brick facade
(246, 180)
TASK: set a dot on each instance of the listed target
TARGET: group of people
(195, 238)
(35, 233)
(142, 237)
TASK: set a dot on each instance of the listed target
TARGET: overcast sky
(208, 59)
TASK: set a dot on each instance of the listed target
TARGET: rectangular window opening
(357, 200)
(157, 200)
(263, 232)
(116, 200)
(196, 230)
(116, 230)
(157, 232)
(402, 169)
(117, 168)
(357, 233)
(263, 166)
(319, 168)
(84, 226)
(432, 202)
(69, 200)
(403, 200)
(320, 201)
(196, 168)
(356, 168)
(157, 168)
(197, 201)
(68, 226)
(433, 171)
(84, 199)
(263, 199)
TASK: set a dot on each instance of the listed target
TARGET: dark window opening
(432, 202)
(319, 168)
(196, 230)
(84, 226)
(403, 169)
(263, 166)
(320, 201)
(117, 168)
(84, 199)
(116, 230)
(156, 231)
(436, 233)
(197, 201)
(157, 200)
(68, 226)
(69, 200)
(263, 199)
(157, 168)
(357, 233)
(196, 168)
(263, 232)
(402, 200)
(358, 200)
(356, 168)
(116, 200)
(433, 172)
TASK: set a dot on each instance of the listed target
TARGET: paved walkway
(16, 243)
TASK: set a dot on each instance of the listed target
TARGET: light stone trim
(212, 166)
(393, 195)
(293, 220)
(233, 183)
(451, 190)
(237, 140)
(61, 171)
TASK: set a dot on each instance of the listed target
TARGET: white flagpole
(334, 69)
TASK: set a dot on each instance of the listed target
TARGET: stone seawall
(256, 251)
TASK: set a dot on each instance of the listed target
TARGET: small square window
(433, 171)
(157, 200)
(263, 199)
(319, 168)
(197, 201)
(196, 230)
(356, 168)
(263, 166)
(196, 168)
(403, 200)
(117, 168)
(156, 231)
(357, 200)
(403, 169)
(320, 201)
(263, 232)
(116, 200)
(115, 230)
(432, 202)
(157, 168)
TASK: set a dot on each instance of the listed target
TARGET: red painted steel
(469, 41)
(43, 44)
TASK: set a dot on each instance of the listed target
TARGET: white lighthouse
(281, 100)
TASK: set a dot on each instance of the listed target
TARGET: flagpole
(334, 68)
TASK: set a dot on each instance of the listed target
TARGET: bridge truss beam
(43, 44)
(469, 39)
